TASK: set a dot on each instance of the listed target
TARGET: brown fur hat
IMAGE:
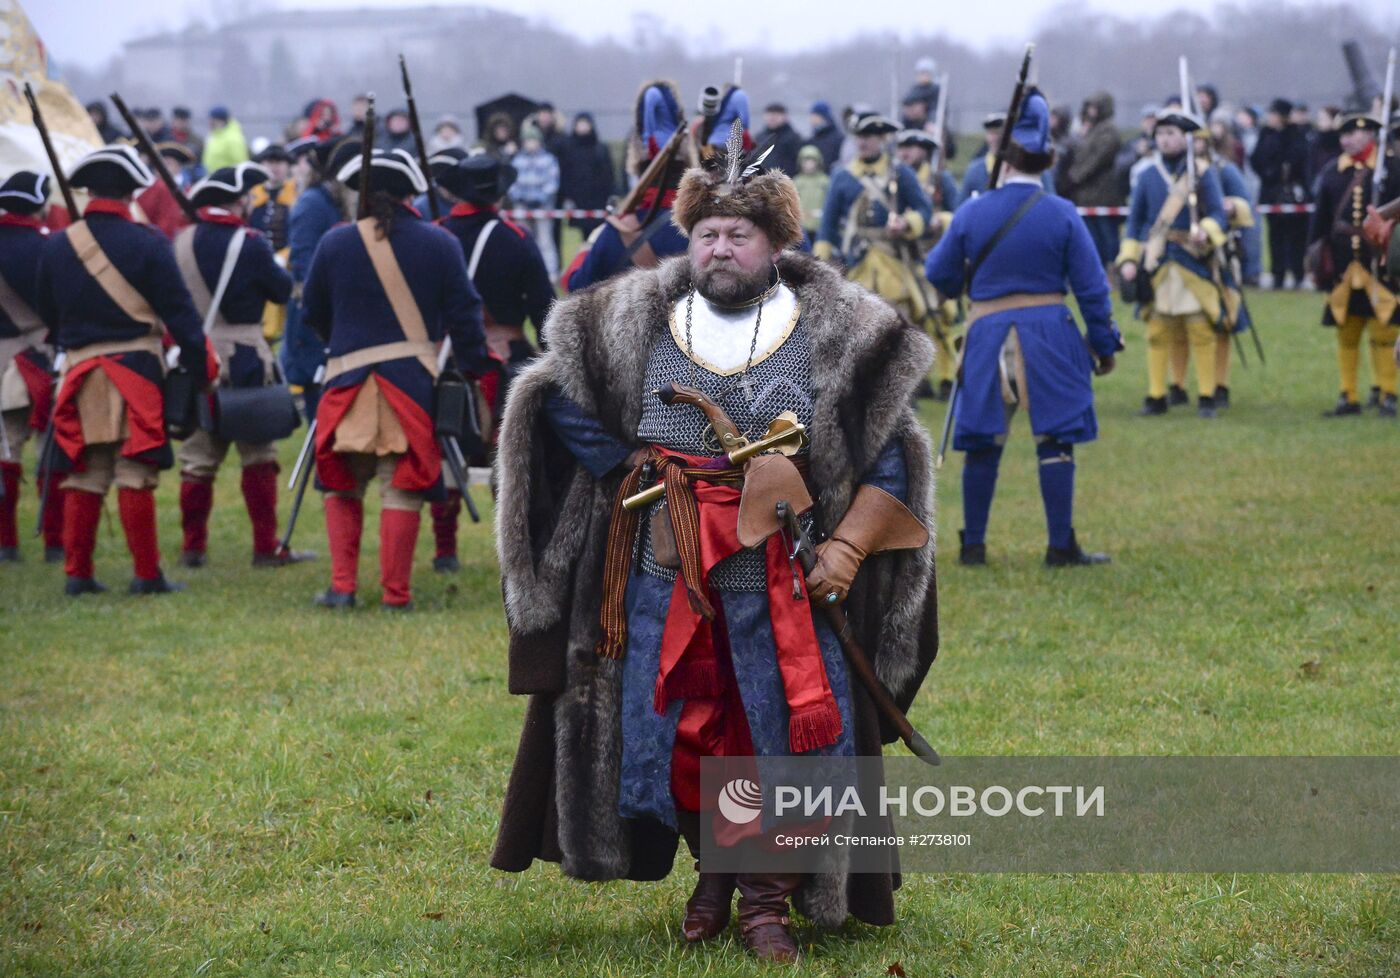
(768, 198)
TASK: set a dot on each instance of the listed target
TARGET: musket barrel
(157, 161)
(63, 187)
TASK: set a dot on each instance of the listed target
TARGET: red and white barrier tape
(555, 214)
(1262, 209)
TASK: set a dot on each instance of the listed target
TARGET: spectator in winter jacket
(827, 135)
(225, 145)
(812, 183)
(1281, 159)
(398, 134)
(182, 132)
(323, 120)
(586, 176)
(1089, 177)
(499, 140)
(783, 139)
(925, 89)
(447, 134)
(535, 188)
(97, 112)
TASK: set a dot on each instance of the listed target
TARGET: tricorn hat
(395, 173)
(917, 137)
(445, 159)
(1358, 120)
(112, 171)
(178, 152)
(25, 192)
(271, 152)
(733, 185)
(226, 184)
(873, 124)
(480, 179)
(1185, 121)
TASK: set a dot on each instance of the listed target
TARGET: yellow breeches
(1382, 342)
(1191, 332)
(1181, 352)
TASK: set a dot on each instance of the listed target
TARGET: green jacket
(225, 147)
(811, 191)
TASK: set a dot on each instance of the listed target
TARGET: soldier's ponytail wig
(1026, 161)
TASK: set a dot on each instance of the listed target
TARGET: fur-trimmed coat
(551, 529)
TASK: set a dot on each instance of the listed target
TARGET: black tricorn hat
(25, 192)
(917, 137)
(874, 124)
(395, 173)
(178, 152)
(273, 151)
(445, 159)
(226, 184)
(112, 171)
(331, 157)
(479, 179)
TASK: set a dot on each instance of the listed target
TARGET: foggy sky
(88, 32)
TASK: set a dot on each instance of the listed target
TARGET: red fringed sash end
(814, 727)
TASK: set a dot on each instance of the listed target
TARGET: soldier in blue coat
(26, 362)
(106, 286)
(1023, 347)
(320, 207)
(644, 237)
(506, 267)
(1167, 253)
(383, 293)
(1239, 214)
(916, 149)
(246, 360)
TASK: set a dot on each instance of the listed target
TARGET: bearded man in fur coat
(648, 640)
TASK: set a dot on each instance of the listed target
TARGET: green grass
(227, 782)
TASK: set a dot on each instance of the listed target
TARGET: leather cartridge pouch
(769, 480)
(663, 540)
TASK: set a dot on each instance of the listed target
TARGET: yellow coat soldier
(1358, 300)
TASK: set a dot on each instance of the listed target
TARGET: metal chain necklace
(741, 378)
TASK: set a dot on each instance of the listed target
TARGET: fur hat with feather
(732, 185)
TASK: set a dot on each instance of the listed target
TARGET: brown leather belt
(1016, 300)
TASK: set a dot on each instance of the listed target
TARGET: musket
(654, 172)
(366, 160)
(803, 551)
(1212, 260)
(58, 176)
(940, 122)
(46, 451)
(301, 476)
(1012, 114)
(1378, 177)
(418, 138)
(1017, 96)
(157, 161)
(301, 471)
(45, 464)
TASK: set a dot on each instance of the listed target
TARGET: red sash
(417, 471)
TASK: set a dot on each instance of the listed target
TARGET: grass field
(228, 782)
